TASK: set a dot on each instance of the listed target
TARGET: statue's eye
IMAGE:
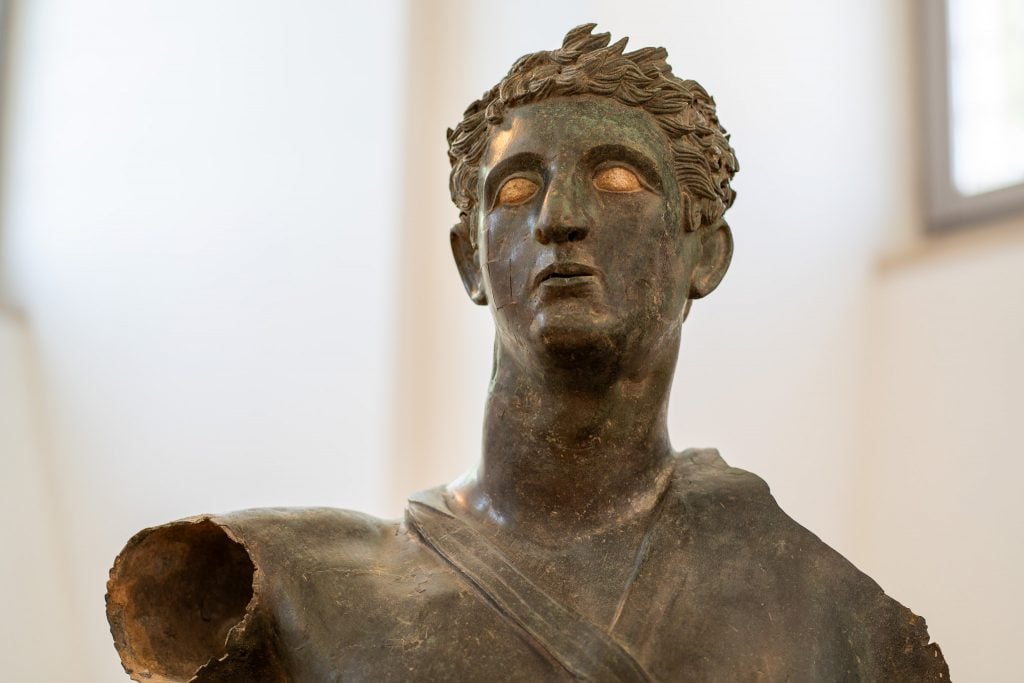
(616, 179)
(517, 191)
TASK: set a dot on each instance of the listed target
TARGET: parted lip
(563, 269)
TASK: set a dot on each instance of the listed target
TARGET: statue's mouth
(565, 274)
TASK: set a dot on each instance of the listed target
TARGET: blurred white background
(226, 284)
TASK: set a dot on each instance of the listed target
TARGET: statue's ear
(715, 255)
(464, 251)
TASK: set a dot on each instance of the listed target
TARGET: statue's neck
(559, 448)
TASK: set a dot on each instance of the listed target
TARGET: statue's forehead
(550, 127)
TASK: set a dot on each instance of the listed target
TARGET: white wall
(34, 586)
(200, 219)
(939, 514)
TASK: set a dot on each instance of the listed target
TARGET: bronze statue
(592, 186)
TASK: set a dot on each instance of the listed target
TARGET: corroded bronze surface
(592, 186)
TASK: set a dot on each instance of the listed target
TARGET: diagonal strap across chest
(585, 650)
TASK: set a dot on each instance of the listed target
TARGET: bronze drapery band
(585, 650)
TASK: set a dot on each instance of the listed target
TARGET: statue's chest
(401, 613)
(410, 617)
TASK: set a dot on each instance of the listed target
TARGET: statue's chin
(577, 337)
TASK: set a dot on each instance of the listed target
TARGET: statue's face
(581, 246)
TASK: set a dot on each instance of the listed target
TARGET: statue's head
(592, 186)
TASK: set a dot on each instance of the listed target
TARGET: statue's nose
(563, 218)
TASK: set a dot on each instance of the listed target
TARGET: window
(974, 107)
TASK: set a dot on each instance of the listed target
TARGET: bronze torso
(338, 595)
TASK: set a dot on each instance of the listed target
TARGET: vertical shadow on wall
(54, 515)
(5, 49)
(417, 416)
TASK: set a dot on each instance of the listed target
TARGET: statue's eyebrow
(640, 161)
(522, 161)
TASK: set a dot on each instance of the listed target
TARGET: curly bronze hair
(587, 64)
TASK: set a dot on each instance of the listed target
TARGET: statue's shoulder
(196, 597)
(729, 518)
(703, 477)
(290, 530)
(737, 509)
(268, 538)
